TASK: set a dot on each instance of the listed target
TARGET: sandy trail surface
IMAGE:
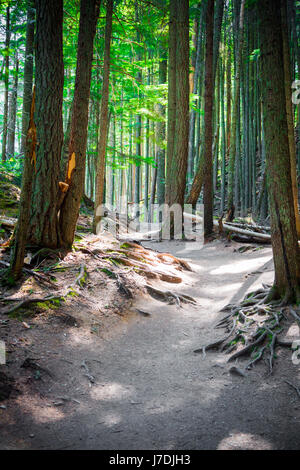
(149, 390)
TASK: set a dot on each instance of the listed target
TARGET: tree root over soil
(253, 329)
(170, 297)
(60, 295)
(146, 263)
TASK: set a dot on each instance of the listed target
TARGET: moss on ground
(9, 197)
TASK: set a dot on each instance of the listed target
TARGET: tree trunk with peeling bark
(69, 210)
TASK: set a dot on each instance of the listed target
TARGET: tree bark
(69, 210)
(208, 130)
(11, 134)
(219, 10)
(178, 169)
(283, 227)
(28, 71)
(21, 231)
(138, 131)
(190, 170)
(289, 110)
(103, 118)
(198, 180)
(48, 118)
(235, 116)
(171, 95)
(6, 84)
(161, 134)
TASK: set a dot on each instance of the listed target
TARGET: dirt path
(150, 390)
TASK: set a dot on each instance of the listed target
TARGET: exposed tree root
(40, 277)
(294, 314)
(147, 263)
(26, 301)
(294, 387)
(254, 327)
(44, 253)
(216, 344)
(122, 286)
(23, 302)
(169, 297)
(82, 276)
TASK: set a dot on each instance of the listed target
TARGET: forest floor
(103, 371)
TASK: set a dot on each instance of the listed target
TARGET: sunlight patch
(110, 391)
(40, 414)
(111, 419)
(243, 441)
(244, 265)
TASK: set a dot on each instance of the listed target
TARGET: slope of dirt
(136, 384)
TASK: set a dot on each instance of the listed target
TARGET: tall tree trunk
(284, 236)
(21, 231)
(13, 113)
(289, 110)
(198, 180)
(228, 98)
(138, 130)
(223, 141)
(235, 116)
(100, 172)
(111, 198)
(171, 95)
(190, 170)
(219, 10)
(28, 71)
(178, 168)
(161, 134)
(65, 148)
(48, 118)
(6, 84)
(208, 113)
(69, 210)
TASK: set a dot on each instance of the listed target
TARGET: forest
(149, 224)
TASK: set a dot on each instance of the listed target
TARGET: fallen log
(246, 226)
(232, 228)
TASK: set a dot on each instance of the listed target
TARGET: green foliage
(13, 166)
(254, 55)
